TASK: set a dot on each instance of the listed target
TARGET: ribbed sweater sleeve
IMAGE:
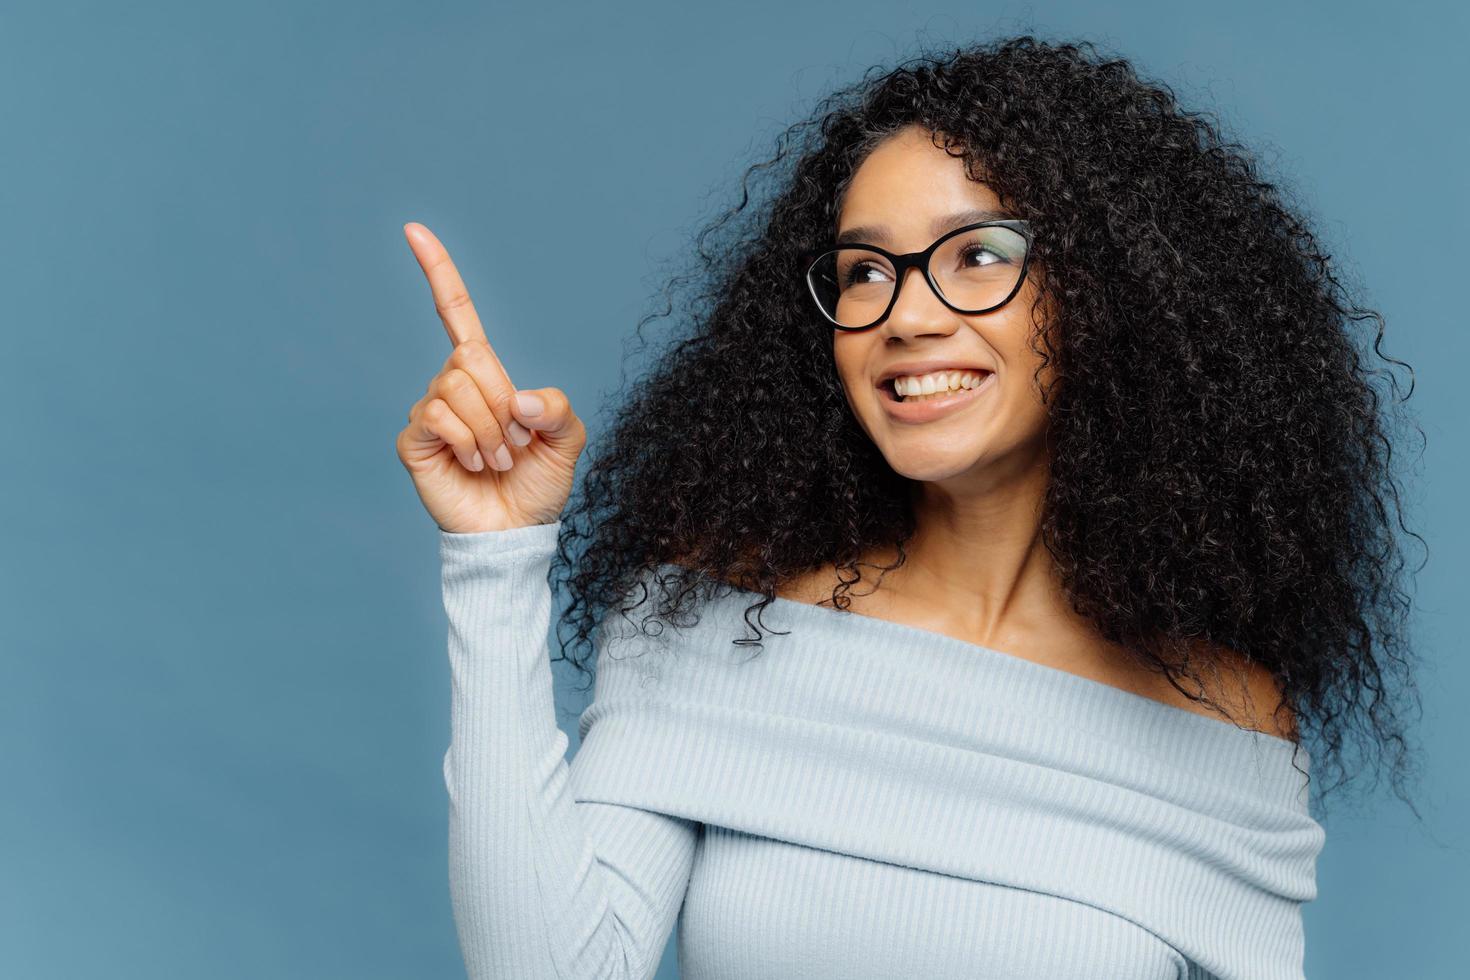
(541, 885)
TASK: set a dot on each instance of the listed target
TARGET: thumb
(549, 412)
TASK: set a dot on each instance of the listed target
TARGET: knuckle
(469, 351)
(455, 300)
(501, 403)
(490, 431)
(456, 380)
(563, 406)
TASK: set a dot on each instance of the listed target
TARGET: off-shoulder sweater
(859, 798)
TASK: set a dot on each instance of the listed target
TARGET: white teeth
(906, 385)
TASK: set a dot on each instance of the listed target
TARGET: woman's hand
(479, 460)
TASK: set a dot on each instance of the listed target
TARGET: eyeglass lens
(975, 270)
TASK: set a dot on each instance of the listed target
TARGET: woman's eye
(857, 273)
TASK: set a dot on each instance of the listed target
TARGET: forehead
(905, 185)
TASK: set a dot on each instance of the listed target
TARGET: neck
(976, 556)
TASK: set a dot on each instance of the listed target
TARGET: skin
(977, 570)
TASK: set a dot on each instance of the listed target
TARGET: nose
(918, 312)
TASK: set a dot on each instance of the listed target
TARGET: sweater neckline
(1067, 676)
(1159, 713)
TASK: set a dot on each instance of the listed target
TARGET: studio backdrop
(225, 694)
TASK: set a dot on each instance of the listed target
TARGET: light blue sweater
(861, 799)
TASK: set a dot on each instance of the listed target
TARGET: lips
(918, 411)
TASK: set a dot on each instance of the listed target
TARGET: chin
(929, 467)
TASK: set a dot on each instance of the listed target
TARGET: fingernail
(478, 463)
(528, 404)
(519, 434)
(502, 456)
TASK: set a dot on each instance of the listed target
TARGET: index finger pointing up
(451, 298)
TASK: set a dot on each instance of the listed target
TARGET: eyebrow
(948, 222)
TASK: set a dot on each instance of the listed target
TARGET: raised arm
(542, 885)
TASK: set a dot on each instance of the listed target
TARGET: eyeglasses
(974, 269)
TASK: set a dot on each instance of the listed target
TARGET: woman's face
(900, 191)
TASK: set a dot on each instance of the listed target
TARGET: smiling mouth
(891, 393)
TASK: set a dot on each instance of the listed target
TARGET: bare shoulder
(809, 586)
(1270, 713)
(816, 585)
(1253, 694)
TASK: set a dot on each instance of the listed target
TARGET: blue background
(223, 687)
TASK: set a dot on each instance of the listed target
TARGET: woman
(1027, 421)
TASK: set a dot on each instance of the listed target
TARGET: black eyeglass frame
(902, 263)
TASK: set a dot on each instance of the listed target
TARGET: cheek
(855, 406)
(1029, 369)
(849, 360)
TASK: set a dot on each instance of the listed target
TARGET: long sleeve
(541, 885)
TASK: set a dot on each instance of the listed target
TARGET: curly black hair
(1219, 452)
